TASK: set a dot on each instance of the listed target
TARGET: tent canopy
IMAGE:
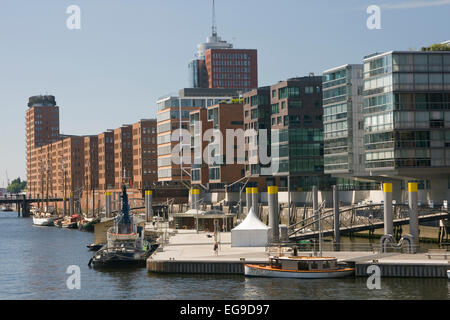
(252, 223)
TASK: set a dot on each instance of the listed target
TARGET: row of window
(230, 56)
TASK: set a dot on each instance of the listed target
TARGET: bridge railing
(357, 216)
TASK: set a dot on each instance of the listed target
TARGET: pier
(189, 252)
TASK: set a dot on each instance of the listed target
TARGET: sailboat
(301, 267)
(44, 217)
(125, 241)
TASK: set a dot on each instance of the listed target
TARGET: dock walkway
(189, 252)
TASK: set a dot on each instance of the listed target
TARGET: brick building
(144, 154)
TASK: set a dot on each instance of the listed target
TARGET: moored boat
(7, 208)
(43, 219)
(125, 245)
(300, 267)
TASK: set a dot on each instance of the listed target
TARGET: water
(34, 260)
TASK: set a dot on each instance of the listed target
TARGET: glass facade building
(407, 113)
(342, 115)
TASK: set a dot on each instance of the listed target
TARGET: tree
(437, 47)
(17, 186)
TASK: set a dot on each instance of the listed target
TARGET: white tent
(251, 232)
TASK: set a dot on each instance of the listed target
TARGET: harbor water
(34, 261)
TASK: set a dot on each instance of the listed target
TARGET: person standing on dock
(216, 248)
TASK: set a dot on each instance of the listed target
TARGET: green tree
(17, 186)
(437, 47)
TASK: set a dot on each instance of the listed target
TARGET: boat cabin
(303, 263)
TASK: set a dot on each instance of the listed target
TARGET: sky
(128, 53)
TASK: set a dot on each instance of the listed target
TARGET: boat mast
(320, 230)
(46, 186)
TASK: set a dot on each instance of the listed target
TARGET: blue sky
(129, 53)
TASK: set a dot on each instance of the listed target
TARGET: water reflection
(35, 259)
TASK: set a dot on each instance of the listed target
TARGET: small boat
(43, 219)
(7, 208)
(125, 245)
(87, 224)
(448, 274)
(299, 267)
(70, 222)
(94, 247)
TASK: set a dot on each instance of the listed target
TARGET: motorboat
(300, 267)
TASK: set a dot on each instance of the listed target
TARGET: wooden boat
(299, 267)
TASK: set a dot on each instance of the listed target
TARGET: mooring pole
(315, 201)
(272, 194)
(108, 204)
(337, 236)
(148, 204)
(388, 218)
(413, 214)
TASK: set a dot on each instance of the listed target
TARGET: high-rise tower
(218, 65)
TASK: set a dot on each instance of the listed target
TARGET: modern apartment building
(198, 125)
(225, 168)
(407, 117)
(257, 116)
(297, 115)
(343, 121)
(173, 113)
(144, 154)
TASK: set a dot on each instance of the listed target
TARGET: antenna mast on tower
(214, 26)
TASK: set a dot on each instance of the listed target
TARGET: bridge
(360, 218)
(23, 203)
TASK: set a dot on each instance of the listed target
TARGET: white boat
(299, 267)
(448, 274)
(41, 219)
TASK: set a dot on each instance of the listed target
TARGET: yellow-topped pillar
(148, 205)
(108, 207)
(255, 200)
(388, 217)
(195, 198)
(413, 197)
(272, 195)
